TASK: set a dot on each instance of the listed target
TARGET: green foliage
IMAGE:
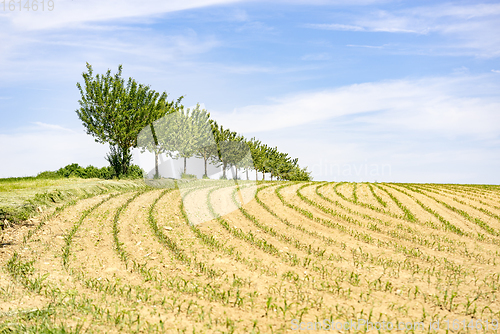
(49, 175)
(127, 115)
(206, 147)
(299, 174)
(32, 193)
(180, 134)
(119, 160)
(91, 172)
(188, 176)
(231, 149)
(115, 112)
(269, 160)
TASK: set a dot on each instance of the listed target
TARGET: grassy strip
(210, 240)
(486, 212)
(354, 195)
(118, 245)
(285, 221)
(365, 205)
(177, 283)
(178, 252)
(23, 271)
(464, 214)
(377, 197)
(20, 205)
(366, 238)
(407, 213)
(410, 236)
(447, 225)
(357, 202)
(351, 277)
(309, 249)
(238, 233)
(68, 238)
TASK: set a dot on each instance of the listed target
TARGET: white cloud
(335, 2)
(316, 56)
(73, 13)
(495, 71)
(336, 26)
(365, 46)
(45, 126)
(450, 106)
(473, 29)
(23, 58)
(44, 146)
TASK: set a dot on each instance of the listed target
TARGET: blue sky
(357, 90)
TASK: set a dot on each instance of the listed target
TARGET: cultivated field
(298, 253)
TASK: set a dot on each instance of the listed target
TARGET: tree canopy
(114, 111)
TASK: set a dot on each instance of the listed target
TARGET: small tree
(228, 143)
(115, 112)
(233, 151)
(205, 147)
(176, 135)
(256, 153)
(148, 141)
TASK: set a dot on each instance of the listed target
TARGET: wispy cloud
(73, 13)
(317, 56)
(365, 46)
(336, 26)
(25, 58)
(51, 127)
(472, 28)
(44, 146)
(450, 106)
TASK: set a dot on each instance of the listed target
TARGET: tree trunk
(124, 161)
(223, 170)
(246, 171)
(263, 176)
(236, 173)
(256, 175)
(184, 165)
(157, 174)
(206, 174)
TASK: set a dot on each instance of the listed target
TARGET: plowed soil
(293, 256)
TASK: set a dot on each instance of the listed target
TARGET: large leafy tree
(114, 111)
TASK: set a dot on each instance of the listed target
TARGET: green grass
(20, 197)
(20, 183)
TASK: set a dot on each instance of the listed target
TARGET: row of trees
(129, 115)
